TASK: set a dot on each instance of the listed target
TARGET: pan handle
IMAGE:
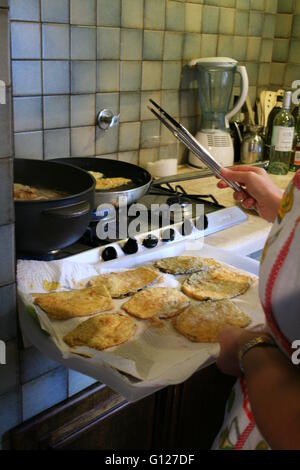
(71, 211)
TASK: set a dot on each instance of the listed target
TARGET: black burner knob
(130, 247)
(109, 253)
(186, 228)
(202, 222)
(150, 241)
(168, 235)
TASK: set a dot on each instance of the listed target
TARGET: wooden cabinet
(183, 416)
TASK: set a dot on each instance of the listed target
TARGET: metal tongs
(184, 136)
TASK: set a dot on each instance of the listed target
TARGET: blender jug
(215, 78)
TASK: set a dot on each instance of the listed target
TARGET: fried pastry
(186, 264)
(203, 321)
(111, 183)
(76, 303)
(122, 283)
(96, 174)
(101, 332)
(216, 284)
(162, 302)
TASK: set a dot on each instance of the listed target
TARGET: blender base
(219, 144)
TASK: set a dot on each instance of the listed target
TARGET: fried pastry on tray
(76, 303)
(101, 332)
(162, 302)
(203, 321)
(216, 284)
(186, 264)
(120, 284)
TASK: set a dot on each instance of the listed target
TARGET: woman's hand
(265, 196)
(231, 340)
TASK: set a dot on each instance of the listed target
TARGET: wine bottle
(295, 161)
(274, 111)
(282, 138)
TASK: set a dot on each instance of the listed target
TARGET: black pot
(46, 226)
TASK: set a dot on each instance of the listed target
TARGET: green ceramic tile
(253, 50)
(173, 43)
(257, 4)
(151, 75)
(154, 14)
(108, 101)
(280, 50)
(108, 12)
(108, 43)
(175, 16)
(191, 46)
(226, 3)
(131, 44)
(129, 157)
(271, 6)
(283, 26)
(296, 27)
(145, 96)
(225, 46)
(131, 75)
(252, 70)
(188, 102)
(171, 74)
(170, 101)
(108, 75)
(132, 13)
(188, 78)
(286, 6)
(292, 73)
(296, 7)
(269, 26)
(166, 138)
(83, 12)
(107, 142)
(294, 55)
(209, 45)
(264, 74)
(130, 103)
(266, 50)
(129, 136)
(277, 74)
(212, 2)
(147, 155)
(241, 23)
(153, 45)
(226, 23)
(150, 134)
(193, 17)
(239, 48)
(243, 4)
(255, 23)
(210, 19)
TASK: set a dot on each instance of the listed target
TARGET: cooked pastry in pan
(76, 303)
(111, 183)
(186, 264)
(101, 332)
(216, 284)
(164, 302)
(122, 283)
(96, 174)
(203, 321)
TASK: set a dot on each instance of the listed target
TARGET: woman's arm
(273, 385)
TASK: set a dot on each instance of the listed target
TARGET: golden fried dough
(186, 264)
(203, 321)
(101, 332)
(111, 183)
(23, 192)
(164, 302)
(96, 174)
(216, 284)
(76, 303)
(123, 283)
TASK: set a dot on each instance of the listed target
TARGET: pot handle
(69, 212)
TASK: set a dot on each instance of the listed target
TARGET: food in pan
(101, 332)
(76, 303)
(163, 302)
(96, 174)
(122, 283)
(216, 284)
(111, 183)
(186, 264)
(203, 321)
(31, 193)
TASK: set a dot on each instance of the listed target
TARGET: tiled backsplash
(72, 58)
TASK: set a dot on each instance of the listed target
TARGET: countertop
(248, 237)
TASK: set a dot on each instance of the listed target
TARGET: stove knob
(186, 228)
(130, 247)
(168, 235)
(150, 241)
(109, 253)
(202, 222)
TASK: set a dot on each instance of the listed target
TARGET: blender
(215, 77)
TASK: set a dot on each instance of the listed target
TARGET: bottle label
(297, 156)
(282, 138)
